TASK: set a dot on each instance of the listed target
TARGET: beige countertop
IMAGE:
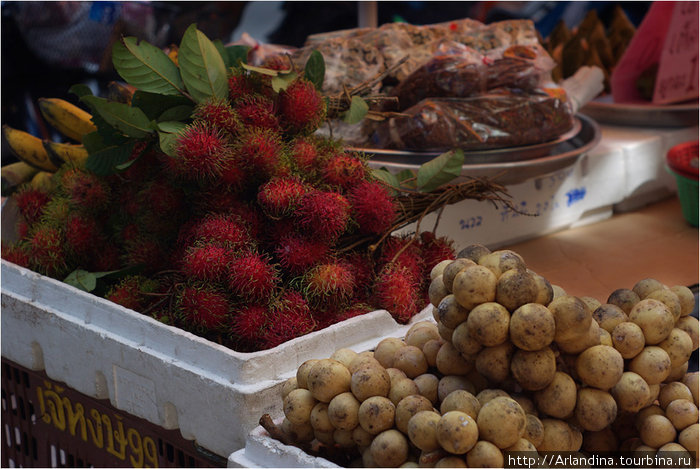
(596, 259)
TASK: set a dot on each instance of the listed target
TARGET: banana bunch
(39, 158)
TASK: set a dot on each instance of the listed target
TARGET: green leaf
(440, 170)
(315, 69)
(146, 67)
(202, 68)
(405, 174)
(357, 112)
(82, 279)
(261, 70)
(153, 104)
(177, 113)
(222, 52)
(93, 142)
(237, 55)
(129, 120)
(80, 90)
(168, 132)
(282, 81)
(384, 175)
(105, 161)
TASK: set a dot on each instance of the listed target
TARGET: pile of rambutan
(237, 236)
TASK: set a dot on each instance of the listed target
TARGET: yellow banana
(42, 180)
(60, 153)
(15, 174)
(28, 148)
(70, 120)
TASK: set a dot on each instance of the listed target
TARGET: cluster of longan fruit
(511, 363)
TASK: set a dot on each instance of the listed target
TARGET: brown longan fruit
(532, 327)
(692, 381)
(319, 418)
(631, 392)
(571, 317)
(457, 432)
(370, 380)
(451, 383)
(343, 411)
(685, 297)
(450, 313)
(402, 387)
(474, 285)
(493, 363)
(558, 399)
(303, 372)
(689, 437)
(534, 370)
(428, 386)
(420, 333)
(652, 363)
(288, 386)
(465, 343)
(670, 299)
(488, 324)
(386, 349)
(682, 413)
(502, 260)
(679, 347)
(431, 349)
(297, 406)
(452, 269)
(608, 316)
(654, 318)
(604, 440)
(558, 436)
(461, 400)
(485, 454)
(624, 298)
(362, 437)
(422, 430)
(672, 391)
(689, 324)
(600, 366)
(451, 461)
(595, 409)
(450, 362)
(474, 252)
(376, 414)
(437, 290)
(545, 291)
(645, 286)
(328, 378)
(362, 359)
(300, 433)
(657, 430)
(628, 339)
(646, 412)
(501, 421)
(411, 360)
(344, 356)
(439, 268)
(408, 407)
(534, 430)
(389, 449)
(516, 287)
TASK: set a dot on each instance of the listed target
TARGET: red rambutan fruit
(297, 253)
(30, 202)
(397, 291)
(233, 175)
(145, 251)
(324, 214)
(280, 196)
(207, 262)
(329, 283)
(218, 113)
(46, 249)
(106, 257)
(143, 169)
(304, 154)
(161, 197)
(22, 228)
(214, 199)
(239, 85)
(82, 234)
(260, 149)
(15, 253)
(344, 170)
(201, 306)
(289, 317)
(373, 207)
(435, 249)
(251, 217)
(131, 292)
(362, 268)
(330, 317)
(222, 228)
(301, 107)
(257, 111)
(395, 251)
(86, 191)
(202, 153)
(248, 323)
(252, 276)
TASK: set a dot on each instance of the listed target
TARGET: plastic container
(682, 161)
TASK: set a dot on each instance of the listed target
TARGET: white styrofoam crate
(263, 451)
(624, 171)
(161, 373)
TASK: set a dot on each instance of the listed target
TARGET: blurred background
(49, 46)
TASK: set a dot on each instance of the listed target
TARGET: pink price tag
(677, 79)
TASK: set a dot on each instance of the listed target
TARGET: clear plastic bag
(499, 119)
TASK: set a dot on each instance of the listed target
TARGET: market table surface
(596, 259)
